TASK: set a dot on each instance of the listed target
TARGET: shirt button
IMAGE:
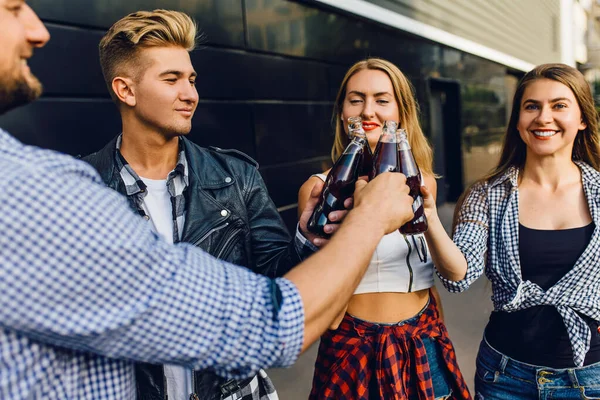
(146, 217)
(224, 213)
(227, 180)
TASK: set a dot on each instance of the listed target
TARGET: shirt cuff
(302, 243)
(453, 286)
(291, 323)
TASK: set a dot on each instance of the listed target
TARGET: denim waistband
(537, 374)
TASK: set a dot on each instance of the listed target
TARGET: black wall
(268, 74)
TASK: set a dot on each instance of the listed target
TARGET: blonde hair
(587, 142)
(119, 48)
(407, 109)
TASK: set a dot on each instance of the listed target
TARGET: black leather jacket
(230, 215)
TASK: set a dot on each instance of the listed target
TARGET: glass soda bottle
(355, 128)
(410, 169)
(385, 156)
(339, 184)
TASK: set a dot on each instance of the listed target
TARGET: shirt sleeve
(78, 269)
(471, 237)
(303, 246)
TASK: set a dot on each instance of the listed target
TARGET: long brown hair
(407, 109)
(587, 142)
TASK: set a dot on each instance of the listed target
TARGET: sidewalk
(466, 315)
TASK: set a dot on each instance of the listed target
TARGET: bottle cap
(390, 126)
(355, 127)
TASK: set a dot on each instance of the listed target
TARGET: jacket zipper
(228, 241)
(193, 395)
(210, 232)
(193, 386)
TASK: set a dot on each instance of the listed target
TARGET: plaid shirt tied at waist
(487, 233)
(349, 355)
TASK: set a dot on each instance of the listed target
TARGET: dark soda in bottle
(355, 128)
(385, 156)
(410, 169)
(339, 184)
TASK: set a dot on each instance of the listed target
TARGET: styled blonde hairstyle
(407, 109)
(587, 142)
(120, 47)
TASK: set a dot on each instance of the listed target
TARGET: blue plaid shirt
(86, 288)
(487, 233)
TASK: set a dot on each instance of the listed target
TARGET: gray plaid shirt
(177, 182)
(487, 233)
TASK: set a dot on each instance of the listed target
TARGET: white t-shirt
(157, 204)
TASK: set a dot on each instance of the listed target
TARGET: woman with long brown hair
(390, 343)
(532, 226)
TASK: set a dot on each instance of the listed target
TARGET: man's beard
(18, 92)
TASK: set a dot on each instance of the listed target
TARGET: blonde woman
(391, 342)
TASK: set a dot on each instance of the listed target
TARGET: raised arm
(312, 188)
(461, 260)
(80, 270)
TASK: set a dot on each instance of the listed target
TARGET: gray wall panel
(73, 126)
(69, 65)
(527, 30)
(244, 75)
(285, 180)
(224, 125)
(221, 20)
(292, 132)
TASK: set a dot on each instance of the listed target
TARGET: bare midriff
(387, 307)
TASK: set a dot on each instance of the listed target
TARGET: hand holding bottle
(339, 184)
(393, 154)
(408, 166)
(335, 216)
(385, 200)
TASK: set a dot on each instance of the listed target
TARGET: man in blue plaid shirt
(87, 288)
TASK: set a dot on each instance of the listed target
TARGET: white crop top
(400, 263)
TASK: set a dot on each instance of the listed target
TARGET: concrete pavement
(466, 315)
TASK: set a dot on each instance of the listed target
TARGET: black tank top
(537, 335)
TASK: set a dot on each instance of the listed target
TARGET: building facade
(269, 71)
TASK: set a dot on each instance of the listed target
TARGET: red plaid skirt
(349, 355)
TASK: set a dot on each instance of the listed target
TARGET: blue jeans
(499, 377)
(439, 373)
